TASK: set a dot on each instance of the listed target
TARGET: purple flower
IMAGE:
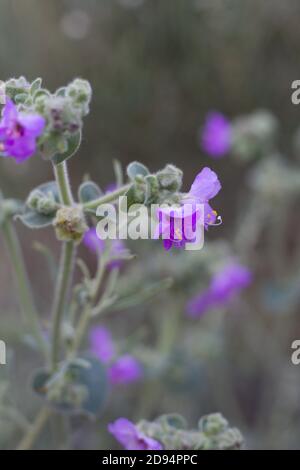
(130, 437)
(224, 286)
(122, 370)
(102, 345)
(93, 242)
(19, 132)
(177, 226)
(125, 370)
(216, 135)
(97, 245)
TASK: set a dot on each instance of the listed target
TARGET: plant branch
(62, 179)
(34, 431)
(23, 286)
(110, 197)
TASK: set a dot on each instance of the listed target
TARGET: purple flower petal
(101, 344)
(130, 437)
(32, 123)
(126, 369)
(18, 132)
(224, 286)
(206, 185)
(92, 241)
(216, 135)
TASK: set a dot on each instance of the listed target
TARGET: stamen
(220, 221)
(178, 233)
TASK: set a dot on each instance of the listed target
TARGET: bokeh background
(156, 68)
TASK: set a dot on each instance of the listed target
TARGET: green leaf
(49, 187)
(131, 197)
(87, 373)
(21, 98)
(173, 420)
(135, 169)
(73, 144)
(61, 91)
(89, 191)
(40, 92)
(35, 86)
(33, 219)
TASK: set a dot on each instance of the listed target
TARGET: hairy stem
(62, 179)
(23, 286)
(110, 197)
(60, 299)
(35, 430)
(66, 266)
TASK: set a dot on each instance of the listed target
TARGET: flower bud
(213, 423)
(42, 203)
(70, 224)
(80, 92)
(170, 178)
(17, 86)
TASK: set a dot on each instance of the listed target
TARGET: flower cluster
(121, 370)
(170, 432)
(36, 121)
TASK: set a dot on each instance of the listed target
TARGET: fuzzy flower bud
(213, 433)
(170, 178)
(16, 86)
(80, 92)
(42, 203)
(70, 224)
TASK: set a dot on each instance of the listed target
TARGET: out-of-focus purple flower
(102, 345)
(129, 436)
(92, 241)
(97, 245)
(230, 281)
(121, 370)
(19, 132)
(125, 370)
(118, 249)
(177, 226)
(216, 135)
(110, 188)
(224, 286)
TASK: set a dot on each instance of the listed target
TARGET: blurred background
(157, 67)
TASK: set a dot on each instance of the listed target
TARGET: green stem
(24, 290)
(86, 314)
(60, 299)
(65, 268)
(110, 197)
(62, 179)
(35, 430)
